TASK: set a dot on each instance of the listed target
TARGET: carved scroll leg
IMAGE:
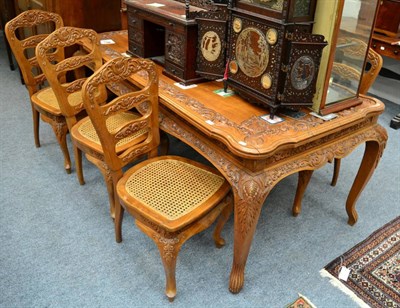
(110, 190)
(223, 218)
(304, 179)
(78, 165)
(60, 129)
(371, 157)
(36, 123)
(246, 213)
(169, 248)
(336, 169)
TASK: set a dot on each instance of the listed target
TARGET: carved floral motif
(251, 189)
(125, 103)
(131, 129)
(135, 153)
(174, 51)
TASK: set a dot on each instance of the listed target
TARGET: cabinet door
(304, 52)
(212, 29)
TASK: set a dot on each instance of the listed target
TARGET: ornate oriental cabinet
(263, 48)
(272, 57)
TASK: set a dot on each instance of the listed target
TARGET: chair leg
(60, 129)
(110, 187)
(169, 246)
(106, 172)
(36, 123)
(78, 165)
(119, 214)
(118, 209)
(336, 169)
(223, 218)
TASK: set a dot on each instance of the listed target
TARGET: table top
(238, 123)
(168, 8)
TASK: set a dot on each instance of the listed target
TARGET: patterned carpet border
(301, 302)
(374, 279)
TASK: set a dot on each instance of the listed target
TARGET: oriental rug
(301, 302)
(374, 264)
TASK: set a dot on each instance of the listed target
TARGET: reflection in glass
(351, 51)
(302, 8)
(276, 5)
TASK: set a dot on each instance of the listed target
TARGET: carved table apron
(254, 155)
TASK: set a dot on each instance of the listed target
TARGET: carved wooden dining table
(255, 155)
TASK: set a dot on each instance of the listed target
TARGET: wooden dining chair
(171, 198)
(371, 71)
(67, 73)
(24, 33)
(85, 59)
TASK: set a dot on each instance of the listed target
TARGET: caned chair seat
(47, 100)
(84, 132)
(169, 191)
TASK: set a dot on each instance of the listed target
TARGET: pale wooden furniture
(171, 198)
(368, 77)
(254, 155)
(69, 96)
(43, 100)
(66, 93)
(371, 71)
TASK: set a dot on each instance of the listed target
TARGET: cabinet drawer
(135, 22)
(136, 49)
(174, 70)
(135, 35)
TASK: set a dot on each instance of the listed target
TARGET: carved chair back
(369, 75)
(59, 70)
(356, 50)
(24, 33)
(143, 101)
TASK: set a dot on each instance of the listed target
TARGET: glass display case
(343, 63)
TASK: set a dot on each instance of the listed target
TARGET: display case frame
(353, 47)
